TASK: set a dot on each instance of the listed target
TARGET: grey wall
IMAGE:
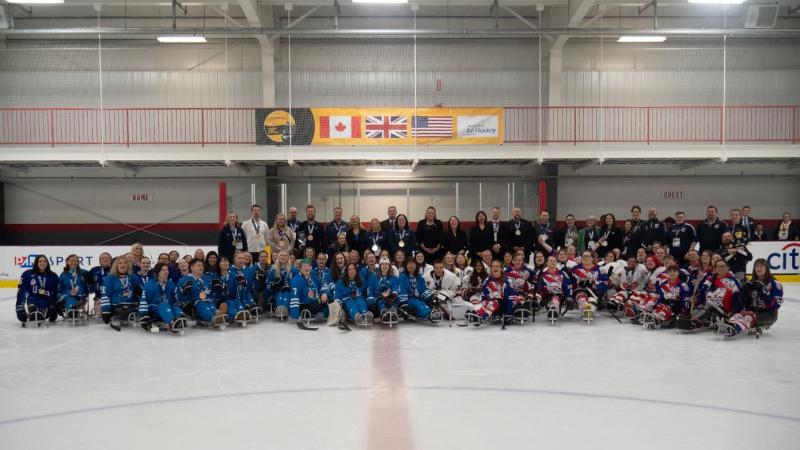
(359, 72)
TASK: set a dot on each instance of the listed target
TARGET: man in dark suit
(500, 235)
(390, 223)
(520, 233)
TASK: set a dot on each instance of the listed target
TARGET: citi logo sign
(786, 259)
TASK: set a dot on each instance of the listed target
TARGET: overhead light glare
(182, 39)
(642, 39)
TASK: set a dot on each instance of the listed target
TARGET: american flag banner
(432, 126)
(386, 127)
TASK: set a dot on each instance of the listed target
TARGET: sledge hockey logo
(275, 126)
(279, 126)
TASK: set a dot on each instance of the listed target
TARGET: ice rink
(270, 385)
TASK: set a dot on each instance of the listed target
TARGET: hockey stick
(591, 292)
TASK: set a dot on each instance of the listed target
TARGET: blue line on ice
(411, 389)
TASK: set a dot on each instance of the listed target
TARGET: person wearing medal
(499, 235)
(256, 232)
(194, 292)
(748, 222)
(278, 280)
(73, 285)
(121, 292)
(307, 293)
(98, 273)
(292, 221)
(402, 237)
(240, 292)
(521, 237)
(787, 230)
(336, 227)
(376, 238)
(309, 233)
(37, 292)
(351, 293)
(454, 239)
(569, 234)
(589, 235)
(231, 237)
(545, 235)
(610, 236)
(739, 232)
(281, 237)
(158, 302)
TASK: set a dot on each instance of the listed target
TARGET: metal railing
(523, 124)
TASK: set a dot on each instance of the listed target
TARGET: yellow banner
(407, 126)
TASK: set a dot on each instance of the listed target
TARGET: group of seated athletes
(651, 273)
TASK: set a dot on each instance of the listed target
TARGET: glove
(137, 291)
(22, 315)
(106, 316)
(240, 279)
(186, 288)
(87, 277)
(216, 283)
(261, 276)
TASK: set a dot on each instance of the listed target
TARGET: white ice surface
(272, 386)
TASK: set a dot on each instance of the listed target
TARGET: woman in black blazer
(454, 239)
(480, 236)
(610, 236)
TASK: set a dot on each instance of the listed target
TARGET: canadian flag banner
(341, 127)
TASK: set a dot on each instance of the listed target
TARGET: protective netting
(693, 88)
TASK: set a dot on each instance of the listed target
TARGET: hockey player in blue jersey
(383, 293)
(414, 296)
(37, 293)
(73, 288)
(158, 304)
(370, 267)
(322, 272)
(256, 276)
(143, 272)
(195, 290)
(278, 280)
(351, 292)
(308, 294)
(120, 294)
(98, 275)
(240, 297)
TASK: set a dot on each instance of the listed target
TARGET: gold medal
(402, 244)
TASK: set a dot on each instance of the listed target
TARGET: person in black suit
(520, 233)
(610, 236)
(480, 236)
(748, 223)
(429, 235)
(499, 235)
(454, 239)
(390, 223)
(544, 234)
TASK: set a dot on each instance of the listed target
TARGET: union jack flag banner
(386, 127)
